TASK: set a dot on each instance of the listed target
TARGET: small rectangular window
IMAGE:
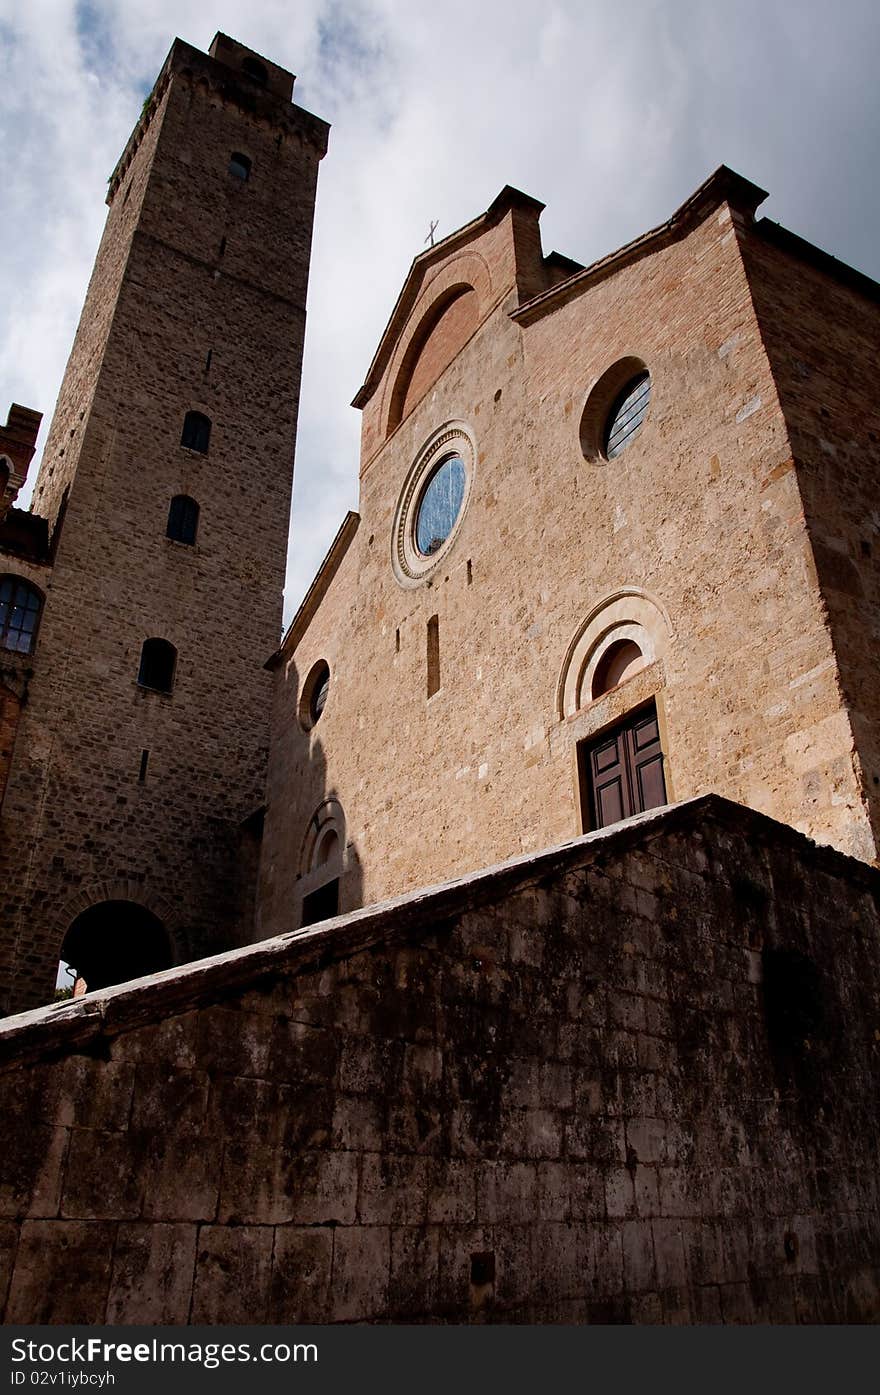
(196, 434)
(239, 166)
(433, 655)
(321, 904)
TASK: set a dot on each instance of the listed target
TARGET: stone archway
(114, 941)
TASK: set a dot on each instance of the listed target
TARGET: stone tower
(131, 816)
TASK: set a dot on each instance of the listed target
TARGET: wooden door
(622, 770)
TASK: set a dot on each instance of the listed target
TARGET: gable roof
(415, 278)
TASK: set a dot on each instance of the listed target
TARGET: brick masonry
(714, 521)
(631, 1079)
(197, 302)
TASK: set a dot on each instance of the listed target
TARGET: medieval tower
(136, 784)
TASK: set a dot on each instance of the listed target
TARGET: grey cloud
(611, 115)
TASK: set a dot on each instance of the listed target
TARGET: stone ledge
(79, 1026)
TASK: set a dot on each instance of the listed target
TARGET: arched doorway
(115, 941)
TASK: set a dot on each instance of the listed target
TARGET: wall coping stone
(84, 1025)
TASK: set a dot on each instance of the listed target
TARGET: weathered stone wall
(821, 332)
(700, 521)
(632, 1079)
(197, 302)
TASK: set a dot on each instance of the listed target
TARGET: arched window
(620, 660)
(239, 166)
(183, 519)
(196, 433)
(158, 661)
(20, 605)
(254, 69)
(314, 695)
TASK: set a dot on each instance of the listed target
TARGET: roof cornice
(318, 589)
(724, 186)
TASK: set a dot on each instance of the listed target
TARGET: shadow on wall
(327, 878)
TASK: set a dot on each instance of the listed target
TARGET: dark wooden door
(622, 770)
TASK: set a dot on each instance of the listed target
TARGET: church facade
(616, 547)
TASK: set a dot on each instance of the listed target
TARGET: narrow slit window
(433, 655)
(196, 434)
(142, 773)
(183, 519)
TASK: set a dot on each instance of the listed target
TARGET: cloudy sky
(610, 113)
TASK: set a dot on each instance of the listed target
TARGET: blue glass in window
(440, 505)
(627, 415)
(19, 612)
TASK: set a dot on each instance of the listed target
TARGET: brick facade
(196, 303)
(705, 534)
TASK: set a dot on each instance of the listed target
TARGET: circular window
(440, 505)
(432, 503)
(314, 695)
(615, 409)
(626, 415)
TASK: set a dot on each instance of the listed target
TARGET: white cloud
(611, 115)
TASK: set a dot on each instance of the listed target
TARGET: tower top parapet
(239, 76)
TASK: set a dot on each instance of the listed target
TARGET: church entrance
(112, 942)
(621, 771)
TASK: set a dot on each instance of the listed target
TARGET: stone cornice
(191, 64)
(318, 589)
(725, 185)
(87, 1025)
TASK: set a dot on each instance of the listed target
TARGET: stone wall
(821, 334)
(197, 303)
(631, 1079)
(697, 530)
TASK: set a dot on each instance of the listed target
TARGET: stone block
(358, 1123)
(506, 1192)
(152, 1276)
(451, 1187)
(669, 1254)
(232, 1274)
(62, 1273)
(32, 1169)
(415, 1272)
(619, 1194)
(361, 1272)
(104, 1178)
(639, 1273)
(323, 1188)
(301, 1268)
(393, 1190)
(9, 1233)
